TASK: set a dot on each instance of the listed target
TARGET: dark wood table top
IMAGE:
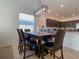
(40, 33)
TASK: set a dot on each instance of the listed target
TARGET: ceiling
(70, 7)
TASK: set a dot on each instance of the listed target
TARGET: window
(26, 21)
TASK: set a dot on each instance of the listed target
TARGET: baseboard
(71, 47)
(74, 50)
(3, 45)
(8, 44)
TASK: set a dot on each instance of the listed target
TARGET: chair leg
(20, 49)
(24, 52)
(62, 53)
(36, 52)
(24, 56)
(42, 51)
(53, 54)
(42, 57)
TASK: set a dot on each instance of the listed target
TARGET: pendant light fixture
(42, 9)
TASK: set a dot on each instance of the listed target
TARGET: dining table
(39, 37)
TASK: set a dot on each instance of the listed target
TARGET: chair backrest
(59, 37)
(27, 37)
(19, 33)
(22, 34)
(27, 30)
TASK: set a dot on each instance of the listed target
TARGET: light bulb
(61, 5)
(43, 9)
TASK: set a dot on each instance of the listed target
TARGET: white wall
(77, 25)
(71, 40)
(9, 15)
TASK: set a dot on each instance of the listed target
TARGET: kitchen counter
(71, 40)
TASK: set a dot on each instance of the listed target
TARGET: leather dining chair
(26, 44)
(20, 44)
(53, 47)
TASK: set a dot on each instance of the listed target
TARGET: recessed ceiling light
(61, 5)
(73, 14)
(57, 14)
(63, 17)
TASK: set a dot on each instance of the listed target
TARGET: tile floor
(9, 52)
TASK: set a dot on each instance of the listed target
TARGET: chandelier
(42, 9)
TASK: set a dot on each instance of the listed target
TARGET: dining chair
(28, 45)
(20, 44)
(53, 47)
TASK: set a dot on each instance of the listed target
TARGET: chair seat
(48, 44)
(33, 44)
